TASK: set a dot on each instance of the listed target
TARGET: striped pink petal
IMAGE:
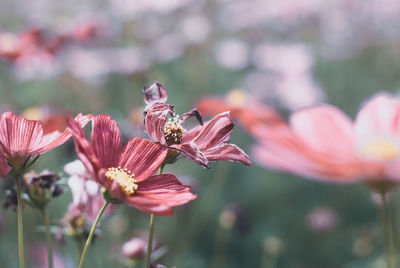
(4, 167)
(106, 140)
(142, 157)
(159, 193)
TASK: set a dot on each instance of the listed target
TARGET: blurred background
(287, 54)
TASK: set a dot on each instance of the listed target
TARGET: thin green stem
(91, 234)
(388, 230)
(150, 243)
(48, 237)
(151, 230)
(20, 225)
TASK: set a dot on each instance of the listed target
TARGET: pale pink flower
(323, 143)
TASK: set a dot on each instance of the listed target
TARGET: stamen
(173, 131)
(124, 178)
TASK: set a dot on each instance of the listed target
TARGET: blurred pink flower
(323, 143)
(39, 259)
(322, 220)
(204, 143)
(86, 196)
(232, 54)
(128, 174)
(136, 247)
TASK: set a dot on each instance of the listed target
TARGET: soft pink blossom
(323, 143)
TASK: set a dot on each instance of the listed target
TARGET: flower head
(21, 138)
(127, 175)
(204, 143)
(322, 142)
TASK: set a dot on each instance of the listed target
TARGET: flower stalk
(91, 234)
(388, 230)
(20, 224)
(48, 237)
(151, 230)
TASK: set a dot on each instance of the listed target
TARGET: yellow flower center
(173, 131)
(124, 178)
(381, 149)
(236, 97)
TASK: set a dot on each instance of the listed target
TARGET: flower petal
(381, 115)
(4, 167)
(227, 152)
(53, 137)
(155, 92)
(325, 129)
(216, 131)
(160, 192)
(18, 135)
(83, 149)
(154, 121)
(142, 157)
(106, 140)
(192, 151)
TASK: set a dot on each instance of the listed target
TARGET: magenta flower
(21, 138)
(204, 143)
(128, 174)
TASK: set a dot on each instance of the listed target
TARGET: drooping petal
(194, 112)
(142, 157)
(18, 135)
(381, 115)
(106, 140)
(214, 132)
(155, 93)
(228, 152)
(83, 149)
(4, 167)
(56, 137)
(325, 129)
(159, 193)
(154, 121)
(191, 150)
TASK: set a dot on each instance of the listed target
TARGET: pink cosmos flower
(86, 196)
(323, 143)
(204, 143)
(21, 138)
(128, 174)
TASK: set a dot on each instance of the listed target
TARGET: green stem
(48, 237)
(151, 231)
(150, 243)
(20, 225)
(90, 237)
(388, 230)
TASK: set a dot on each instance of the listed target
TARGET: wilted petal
(142, 157)
(160, 191)
(154, 121)
(18, 135)
(106, 140)
(379, 115)
(227, 152)
(214, 132)
(191, 150)
(191, 113)
(155, 92)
